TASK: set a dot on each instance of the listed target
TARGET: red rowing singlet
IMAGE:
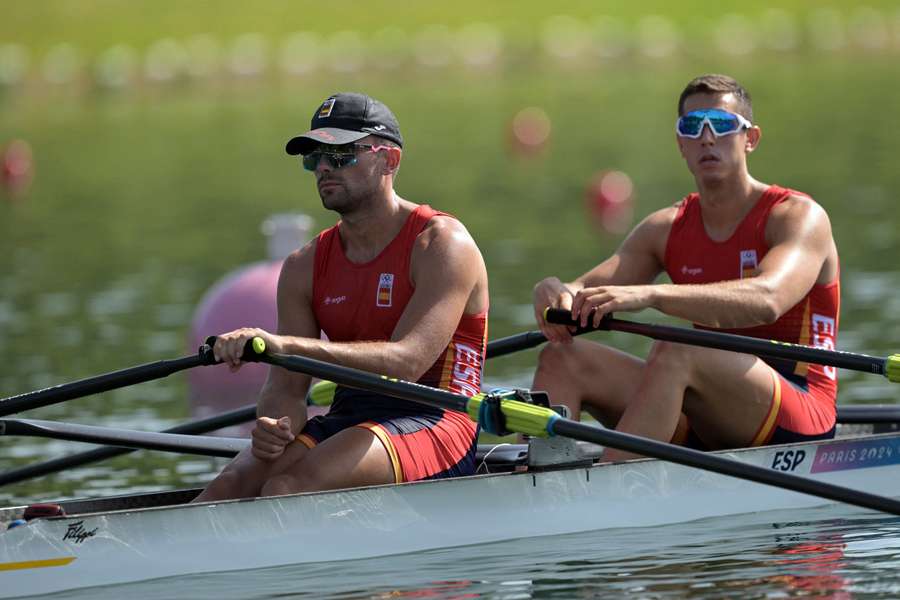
(692, 257)
(363, 302)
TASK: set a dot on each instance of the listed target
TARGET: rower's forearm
(275, 405)
(384, 358)
(729, 304)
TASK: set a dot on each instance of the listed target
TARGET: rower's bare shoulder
(664, 217)
(443, 233)
(798, 213)
(298, 267)
(657, 224)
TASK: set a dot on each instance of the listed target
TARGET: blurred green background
(156, 131)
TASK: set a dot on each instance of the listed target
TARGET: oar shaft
(734, 343)
(227, 419)
(518, 414)
(167, 442)
(499, 347)
(724, 466)
(868, 413)
(96, 385)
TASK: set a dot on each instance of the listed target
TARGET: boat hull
(49, 555)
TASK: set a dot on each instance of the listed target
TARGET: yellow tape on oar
(521, 417)
(892, 368)
(322, 394)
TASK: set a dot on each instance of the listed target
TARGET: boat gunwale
(528, 472)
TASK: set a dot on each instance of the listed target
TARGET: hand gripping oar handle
(889, 367)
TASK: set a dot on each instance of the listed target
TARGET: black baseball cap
(344, 118)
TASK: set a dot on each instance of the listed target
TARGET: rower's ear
(754, 134)
(392, 160)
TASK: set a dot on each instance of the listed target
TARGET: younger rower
(743, 256)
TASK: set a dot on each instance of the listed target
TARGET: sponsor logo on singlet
(466, 373)
(748, 263)
(385, 290)
(334, 300)
(823, 337)
(686, 270)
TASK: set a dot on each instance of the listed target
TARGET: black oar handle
(740, 343)
(253, 348)
(514, 343)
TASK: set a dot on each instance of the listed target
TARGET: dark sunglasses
(338, 159)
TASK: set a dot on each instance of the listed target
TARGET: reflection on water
(830, 552)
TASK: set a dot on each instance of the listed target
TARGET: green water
(144, 196)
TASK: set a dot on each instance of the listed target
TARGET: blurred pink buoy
(529, 132)
(609, 200)
(245, 297)
(16, 169)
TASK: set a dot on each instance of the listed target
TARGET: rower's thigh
(729, 395)
(604, 378)
(350, 458)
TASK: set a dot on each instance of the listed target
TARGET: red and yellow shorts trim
(432, 445)
(795, 415)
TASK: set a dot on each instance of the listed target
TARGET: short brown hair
(718, 84)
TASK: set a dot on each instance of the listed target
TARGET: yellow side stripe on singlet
(765, 430)
(802, 368)
(447, 369)
(37, 564)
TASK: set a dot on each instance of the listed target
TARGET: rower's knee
(670, 360)
(302, 478)
(556, 359)
(227, 484)
(281, 485)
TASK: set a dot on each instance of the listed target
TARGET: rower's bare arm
(284, 393)
(449, 277)
(638, 261)
(801, 254)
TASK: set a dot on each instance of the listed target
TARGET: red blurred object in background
(16, 169)
(529, 132)
(609, 200)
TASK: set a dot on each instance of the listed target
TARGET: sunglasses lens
(343, 160)
(337, 161)
(311, 161)
(723, 122)
(689, 125)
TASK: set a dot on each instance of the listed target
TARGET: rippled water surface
(141, 202)
(827, 552)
